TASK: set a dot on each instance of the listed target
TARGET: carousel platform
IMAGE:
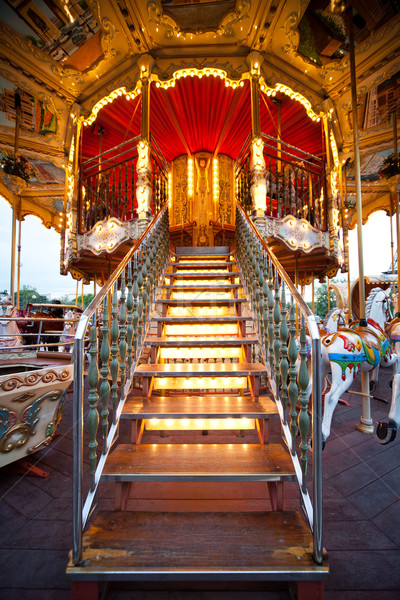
(361, 519)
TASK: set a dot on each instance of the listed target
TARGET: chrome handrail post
(317, 450)
(78, 396)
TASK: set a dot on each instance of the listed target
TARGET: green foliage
(321, 300)
(87, 298)
(29, 294)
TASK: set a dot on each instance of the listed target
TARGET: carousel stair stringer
(194, 503)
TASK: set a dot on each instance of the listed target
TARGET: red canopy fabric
(202, 115)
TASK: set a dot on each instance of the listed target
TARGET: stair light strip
(202, 329)
(199, 353)
(200, 383)
(199, 424)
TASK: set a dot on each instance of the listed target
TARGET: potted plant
(390, 166)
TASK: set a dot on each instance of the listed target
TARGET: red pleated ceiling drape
(201, 115)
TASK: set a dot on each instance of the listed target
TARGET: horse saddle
(372, 344)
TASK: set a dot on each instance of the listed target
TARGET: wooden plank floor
(361, 515)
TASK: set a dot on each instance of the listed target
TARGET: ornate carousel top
(63, 62)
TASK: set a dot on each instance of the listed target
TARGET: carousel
(215, 156)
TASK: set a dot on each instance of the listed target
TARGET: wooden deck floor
(361, 518)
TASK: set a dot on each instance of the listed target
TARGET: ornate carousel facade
(202, 162)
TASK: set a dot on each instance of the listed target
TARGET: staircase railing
(116, 329)
(266, 284)
(295, 181)
(108, 183)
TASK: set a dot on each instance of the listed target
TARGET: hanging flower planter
(17, 166)
(390, 166)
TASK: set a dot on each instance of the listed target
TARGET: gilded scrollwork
(32, 379)
(172, 30)
(13, 435)
(180, 198)
(225, 189)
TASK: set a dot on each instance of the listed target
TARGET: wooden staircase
(200, 430)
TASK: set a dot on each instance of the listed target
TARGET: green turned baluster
(104, 371)
(93, 397)
(144, 296)
(256, 287)
(304, 419)
(284, 366)
(135, 316)
(266, 292)
(270, 328)
(114, 332)
(293, 389)
(122, 333)
(261, 288)
(277, 339)
(148, 287)
(129, 327)
(140, 303)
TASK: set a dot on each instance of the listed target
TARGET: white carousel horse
(10, 335)
(347, 351)
(334, 320)
(386, 432)
(69, 330)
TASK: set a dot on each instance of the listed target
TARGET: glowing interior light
(200, 424)
(200, 383)
(190, 176)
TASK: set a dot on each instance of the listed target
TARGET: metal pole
(19, 252)
(396, 204)
(13, 236)
(366, 424)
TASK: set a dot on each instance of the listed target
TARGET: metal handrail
(78, 397)
(315, 516)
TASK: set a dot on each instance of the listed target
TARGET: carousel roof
(63, 58)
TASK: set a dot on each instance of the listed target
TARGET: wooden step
(199, 462)
(201, 301)
(196, 275)
(202, 251)
(200, 370)
(205, 287)
(200, 264)
(149, 546)
(198, 320)
(185, 342)
(177, 407)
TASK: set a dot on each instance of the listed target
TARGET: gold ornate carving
(31, 379)
(225, 189)
(15, 437)
(172, 29)
(180, 202)
(24, 397)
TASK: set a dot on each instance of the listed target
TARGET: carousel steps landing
(212, 537)
(205, 546)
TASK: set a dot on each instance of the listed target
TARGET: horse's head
(377, 306)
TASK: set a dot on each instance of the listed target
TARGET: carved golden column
(258, 188)
(143, 165)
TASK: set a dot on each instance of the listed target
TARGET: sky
(40, 254)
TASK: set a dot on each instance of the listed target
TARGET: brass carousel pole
(366, 424)
(396, 204)
(17, 101)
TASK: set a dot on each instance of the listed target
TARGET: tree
(321, 300)
(87, 298)
(29, 294)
